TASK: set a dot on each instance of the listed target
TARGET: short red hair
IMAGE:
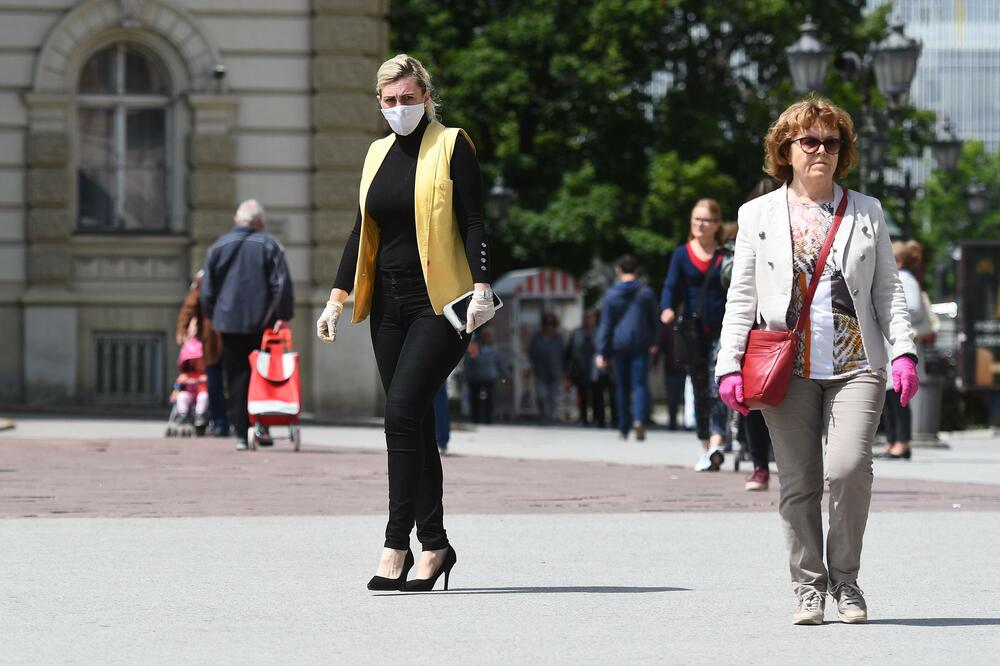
(801, 116)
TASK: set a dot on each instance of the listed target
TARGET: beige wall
(272, 130)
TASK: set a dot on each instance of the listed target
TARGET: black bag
(690, 339)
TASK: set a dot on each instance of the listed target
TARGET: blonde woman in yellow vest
(419, 242)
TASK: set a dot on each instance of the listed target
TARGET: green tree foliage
(945, 212)
(557, 96)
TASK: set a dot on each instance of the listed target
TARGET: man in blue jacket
(629, 324)
(245, 289)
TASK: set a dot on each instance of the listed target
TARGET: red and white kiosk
(526, 294)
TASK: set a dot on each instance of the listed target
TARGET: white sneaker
(811, 606)
(710, 461)
(851, 606)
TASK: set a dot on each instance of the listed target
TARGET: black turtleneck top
(390, 205)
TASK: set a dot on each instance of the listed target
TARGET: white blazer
(761, 287)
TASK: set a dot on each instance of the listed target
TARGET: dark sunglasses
(810, 144)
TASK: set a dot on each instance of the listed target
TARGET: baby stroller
(273, 398)
(189, 398)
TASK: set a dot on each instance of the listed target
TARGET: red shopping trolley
(274, 395)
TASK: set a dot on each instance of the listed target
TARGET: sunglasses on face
(810, 144)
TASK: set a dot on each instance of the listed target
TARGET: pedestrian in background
(836, 387)
(582, 371)
(545, 354)
(245, 288)
(897, 419)
(626, 334)
(418, 243)
(483, 367)
(693, 286)
(192, 323)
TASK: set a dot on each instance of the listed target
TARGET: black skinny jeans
(415, 350)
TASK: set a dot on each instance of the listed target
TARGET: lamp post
(977, 199)
(500, 198)
(946, 147)
(894, 60)
(808, 59)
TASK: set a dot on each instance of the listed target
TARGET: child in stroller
(189, 414)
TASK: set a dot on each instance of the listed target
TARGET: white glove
(326, 325)
(480, 311)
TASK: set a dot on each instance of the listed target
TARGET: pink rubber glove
(731, 392)
(904, 379)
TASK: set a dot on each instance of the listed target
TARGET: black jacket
(246, 286)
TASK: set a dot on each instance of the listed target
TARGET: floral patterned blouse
(830, 346)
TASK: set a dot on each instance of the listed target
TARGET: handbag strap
(800, 325)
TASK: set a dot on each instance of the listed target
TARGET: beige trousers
(848, 411)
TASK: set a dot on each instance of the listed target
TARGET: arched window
(122, 172)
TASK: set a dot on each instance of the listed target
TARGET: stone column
(211, 184)
(50, 314)
(350, 39)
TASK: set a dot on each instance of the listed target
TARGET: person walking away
(192, 323)
(625, 337)
(246, 288)
(693, 284)
(545, 354)
(897, 418)
(418, 243)
(836, 385)
(583, 372)
(483, 367)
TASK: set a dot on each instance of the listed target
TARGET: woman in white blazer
(837, 386)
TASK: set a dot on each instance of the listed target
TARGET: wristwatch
(483, 294)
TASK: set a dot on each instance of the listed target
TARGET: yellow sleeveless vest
(439, 242)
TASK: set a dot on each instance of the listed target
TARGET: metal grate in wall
(129, 367)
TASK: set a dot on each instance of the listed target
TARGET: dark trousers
(709, 410)
(758, 439)
(632, 373)
(217, 398)
(236, 348)
(674, 381)
(896, 419)
(415, 350)
(591, 400)
(481, 401)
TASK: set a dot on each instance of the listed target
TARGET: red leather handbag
(770, 355)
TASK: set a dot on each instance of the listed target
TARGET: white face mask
(404, 119)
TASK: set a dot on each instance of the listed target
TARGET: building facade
(129, 132)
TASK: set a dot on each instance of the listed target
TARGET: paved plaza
(119, 546)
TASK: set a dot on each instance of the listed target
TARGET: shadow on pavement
(582, 589)
(940, 621)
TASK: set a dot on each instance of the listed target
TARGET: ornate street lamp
(977, 200)
(500, 198)
(873, 143)
(946, 147)
(895, 62)
(808, 59)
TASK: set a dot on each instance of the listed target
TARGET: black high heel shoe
(381, 583)
(427, 584)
